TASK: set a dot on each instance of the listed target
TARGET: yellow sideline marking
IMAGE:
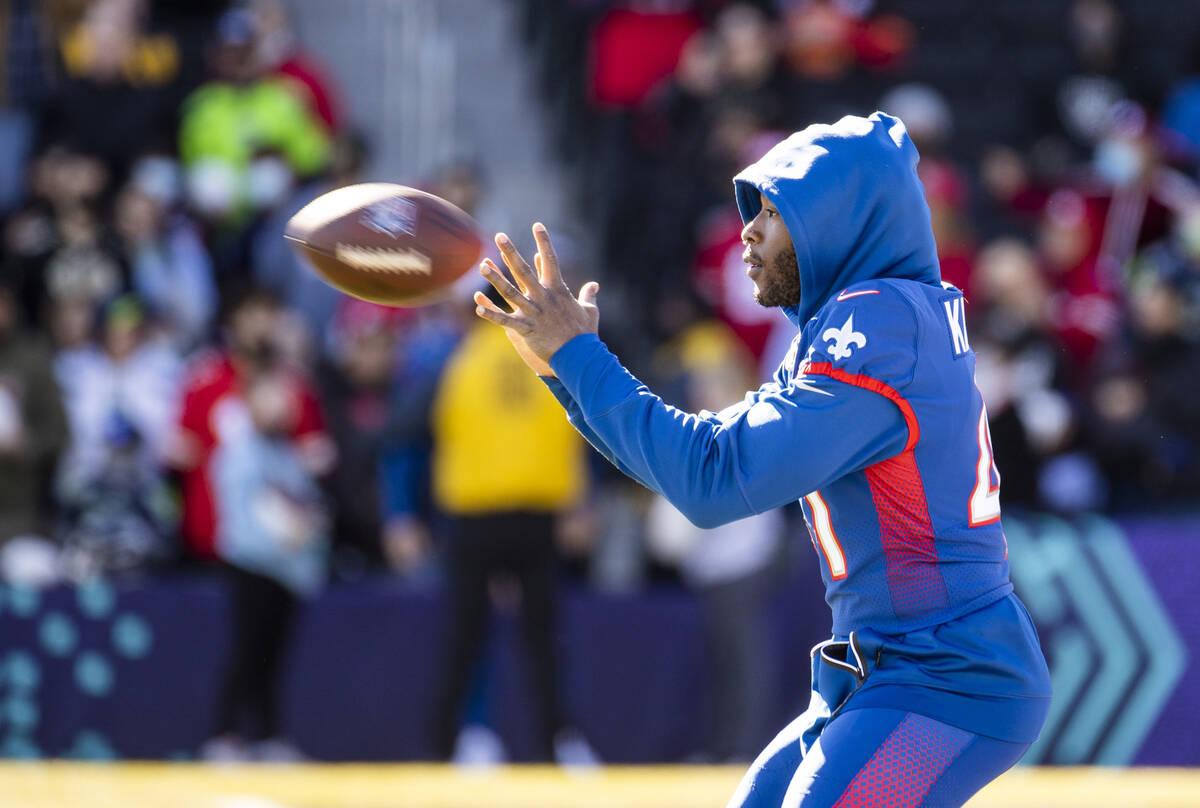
(185, 785)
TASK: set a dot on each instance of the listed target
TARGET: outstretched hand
(545, 315)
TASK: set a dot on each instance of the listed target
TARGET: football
(386, 243)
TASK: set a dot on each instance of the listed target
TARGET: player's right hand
(545, 314)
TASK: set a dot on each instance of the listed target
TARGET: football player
(932, 682)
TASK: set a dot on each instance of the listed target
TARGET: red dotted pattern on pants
(910, 556)
(906, 765)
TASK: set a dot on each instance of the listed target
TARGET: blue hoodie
(873, 422)
(853, 206)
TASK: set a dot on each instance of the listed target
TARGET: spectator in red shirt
(214, 412)
(632, 49)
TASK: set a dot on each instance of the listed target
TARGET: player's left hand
(545, 314)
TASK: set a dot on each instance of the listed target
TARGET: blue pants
(876, 757)
(841, 755)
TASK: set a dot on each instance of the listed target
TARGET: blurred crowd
(1060, 143)
(177, 389)
(152, 154)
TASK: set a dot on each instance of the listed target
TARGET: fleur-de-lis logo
(844, 339)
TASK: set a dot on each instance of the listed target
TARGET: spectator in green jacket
(245, 136)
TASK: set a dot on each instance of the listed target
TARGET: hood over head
(850, 197)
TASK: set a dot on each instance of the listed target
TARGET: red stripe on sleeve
(875, 386)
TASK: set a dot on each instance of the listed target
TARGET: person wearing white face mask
(1120, 160)
(1129, 161)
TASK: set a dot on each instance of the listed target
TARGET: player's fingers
(492, 274)
(522, 273)
(542, 277)
(494, 315)
(483, 300)
(587, 295)
(550, 274)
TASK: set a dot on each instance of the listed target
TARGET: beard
(780, 282)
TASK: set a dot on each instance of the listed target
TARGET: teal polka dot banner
(73, 637)
(58, 634)
(131, 636)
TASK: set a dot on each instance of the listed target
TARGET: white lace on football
(381, 259)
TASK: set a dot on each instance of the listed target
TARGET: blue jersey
(873, 422)
(913, 539)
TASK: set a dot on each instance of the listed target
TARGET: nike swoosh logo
(847, 295)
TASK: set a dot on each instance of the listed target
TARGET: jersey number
(984, 507)
(823, 527)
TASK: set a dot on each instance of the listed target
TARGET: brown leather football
(386, 243)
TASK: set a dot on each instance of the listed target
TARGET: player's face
(771, 258)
